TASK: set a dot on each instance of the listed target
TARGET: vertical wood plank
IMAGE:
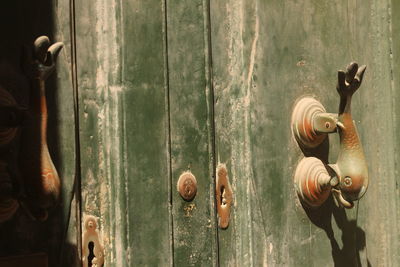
(65, 131)
(146, 131)
(124, 124)
(394, 13)
(191, 131)
(380, 122)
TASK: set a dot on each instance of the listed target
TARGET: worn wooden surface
(395, 64)
(145, 100)
(124, 128)
(190, 106)
(149, 83)
(147, 116)
(265, 56)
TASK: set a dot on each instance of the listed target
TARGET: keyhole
(327, 125)
(222, 196)
(91, 254)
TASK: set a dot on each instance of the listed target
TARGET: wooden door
(265, 56)
(148, 90)
(145, 118)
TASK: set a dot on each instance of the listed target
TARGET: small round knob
(187, 186)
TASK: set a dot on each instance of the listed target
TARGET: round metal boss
(187, 186)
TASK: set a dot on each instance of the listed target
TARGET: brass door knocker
(40, 177)
(35, 186)
(347, 179)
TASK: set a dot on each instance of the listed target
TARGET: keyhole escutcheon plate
(92, 249)
(224, 196)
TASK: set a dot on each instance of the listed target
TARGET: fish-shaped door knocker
(347, 179)
(40, 177)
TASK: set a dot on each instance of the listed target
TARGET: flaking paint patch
(241, 82)
(108, 125)
(107, 47)
(113, 169)
(252, 58)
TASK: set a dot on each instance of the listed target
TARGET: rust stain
(189, 210)
(301, 63)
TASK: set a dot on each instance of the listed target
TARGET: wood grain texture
(144, 77)
(266, 55)
(194, 227)
(146, 131)
(394, 14)
(124, 129)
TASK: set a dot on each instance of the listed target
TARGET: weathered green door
(265, 56)
(188, 85)
(164, 87)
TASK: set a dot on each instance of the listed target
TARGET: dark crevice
(76, 192)
(168, 109)
(74, 81)
(212, 118)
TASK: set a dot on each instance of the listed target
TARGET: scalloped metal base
(302, 122)
(312, 182)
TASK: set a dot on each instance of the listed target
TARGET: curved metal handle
(38, 171)
(351, 166)
(310, 124)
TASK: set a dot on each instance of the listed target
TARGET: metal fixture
(92, 249)
(36, 186)
(311, 123)
(187, 186)
(312, 181)
(40, 177)
(224, 196)
(347, 179)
